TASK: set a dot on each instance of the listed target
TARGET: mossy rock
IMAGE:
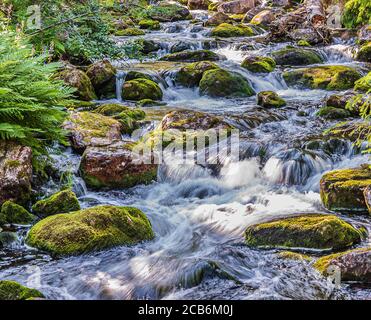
(90, 229)
(312, 231)
(140, 89)
(354, 265)
(149, 24)
(259, 64)
(147, 46)
(270, 99)
(192, 56)
(333, 113)
(13, 213)
(364, 53)
(296, 56)
(343, 190)
(222, 83)
(227, 30)
(191, 75)
(363, 84)
(61, 202)
(102, 76)
(166, 12)
(323, 77)
(289, 255)
(11, 290)
(129, 32)
(133, 75)
(303, 43)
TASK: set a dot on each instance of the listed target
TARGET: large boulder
(343, 190)
(191, 74)
(222, 83)
(139, 89)
(89, 230)
(91, 129)
(263, 18)
(217, 19)
(79, 80)
(258, 64)
(15, 172)
(115, 166)
(364, 53)
(227, 30)
(198, 4)
(354, 265)
(103, 78)
(270, 99)
(236, 6)
(332, 113)
(323, 77)
(192, 56)
(166, 12)
(12, 213)
(11, 290)
(296, 56)
(312, 231)
(61, 202)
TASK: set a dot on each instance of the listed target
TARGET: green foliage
(31, 101)
(356, 12)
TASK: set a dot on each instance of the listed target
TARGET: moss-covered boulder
(270, 99)
(61, 202)
(115, 166)
(140, 89)
(312, 231)
(343, 190)
(133, 75)
(222, 83)
(13, 213)
(354, 265)
(323, 77)
(363, 84)
(91, 129)
(191, 74)
(227, 30)
(79, 80)
(364, 53)
(15, 172)
(11, 290)
(147, 46)
(296, 56)
(166, 12)
(149, 24)
(103, 78)
(192, 56)
(90, 230)
(259, 64)
(129, 32)
(332, 113)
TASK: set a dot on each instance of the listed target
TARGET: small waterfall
(120, 80)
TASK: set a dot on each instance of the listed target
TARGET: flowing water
(199, 216)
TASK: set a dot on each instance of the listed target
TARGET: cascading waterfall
(120, 80)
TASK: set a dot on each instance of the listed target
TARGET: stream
(199, 218)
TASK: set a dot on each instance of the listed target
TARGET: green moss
(342, 190)
(100, 73)
(363, 84)
(11, 290)
(111, 109)
(12, 163)
(129, 32)
(61, 202)
(15, 214)
(364, 53)
(166, 12)
(133, 75)
(259, 64)
(140, 89)
(289, 255)
(222, 83)
(227, 30)
(333, 113)
(90, 230)
(191, 75)
(296, 56)
(149, 24)
(307, 231)
(303, 43)
(191, 56)
(323, 77)
(270, 99)
(149, 103)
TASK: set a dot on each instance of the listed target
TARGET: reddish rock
(237, 6)
(198, 4)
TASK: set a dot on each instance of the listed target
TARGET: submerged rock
(323, 77)
(61, 202)
(13, 213)
(227, 30)
(89, 230)
(15, 172)
(102, 76)
(11, 290)
(192, 56)
(296, 56)
(259, 64)
(115, 166)
(222, 83)
(140, 89)
(343, 190)
(270, 99)
(91, 129)
(354, 265)
(312, 231)
(191, 75)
